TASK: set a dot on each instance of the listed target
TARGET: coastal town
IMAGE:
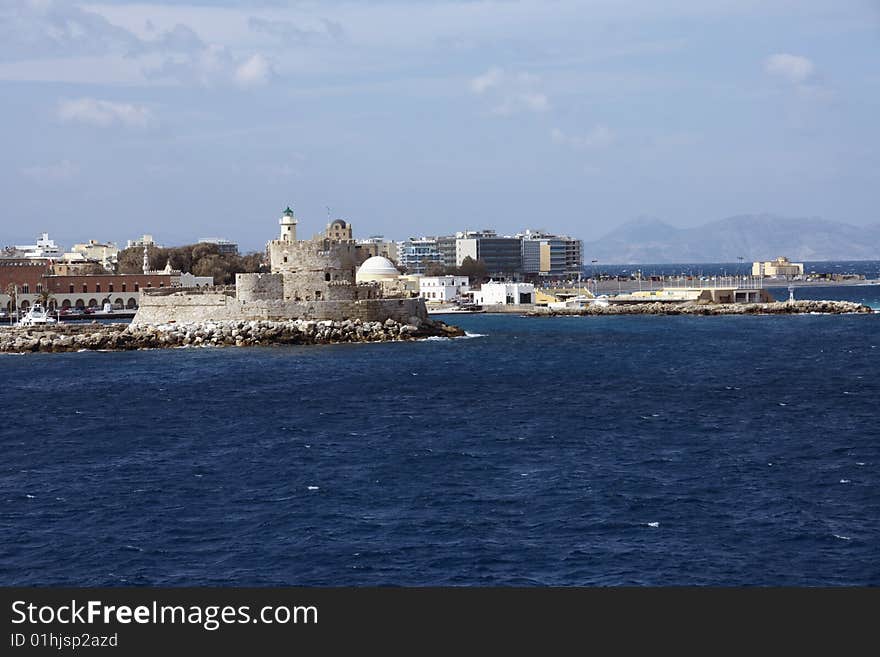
(530, 271)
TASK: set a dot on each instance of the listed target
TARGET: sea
(595, 451)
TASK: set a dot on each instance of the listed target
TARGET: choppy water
(598, 450)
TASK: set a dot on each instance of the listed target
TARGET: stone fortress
(324, 278)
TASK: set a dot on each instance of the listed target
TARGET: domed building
(376, 270)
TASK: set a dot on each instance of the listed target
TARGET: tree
(475, 270)
(434, 268)
(199, 259)
(12, 291)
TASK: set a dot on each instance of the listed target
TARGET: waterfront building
(25, 275)
(781, 267)
(32, 279)
(501, 255)
(443, 288)
(498, 293)
(446, 249)
(414, 254)
(224, 246)
(551, 256)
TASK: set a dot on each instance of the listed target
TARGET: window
(137, 287)
(327, 276)
(97, 287)
(285, 258)
(85, 288)
(161, 284)
(70, 289)
(123, 287)
(110, 287)
(25, 289)
(39, 287)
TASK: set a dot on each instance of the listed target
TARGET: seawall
(182, 307)
(775, 308)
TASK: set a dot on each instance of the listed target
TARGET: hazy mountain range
(754, 237)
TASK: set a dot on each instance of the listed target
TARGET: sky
(423, 117)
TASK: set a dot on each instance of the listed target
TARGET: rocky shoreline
(775, 308)
(124, 337)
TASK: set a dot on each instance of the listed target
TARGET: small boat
(37, 316)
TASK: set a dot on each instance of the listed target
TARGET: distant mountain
(754, 237)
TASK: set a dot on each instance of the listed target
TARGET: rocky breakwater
(775, 308)
(121, 337)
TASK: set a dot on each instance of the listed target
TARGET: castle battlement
(314, 278)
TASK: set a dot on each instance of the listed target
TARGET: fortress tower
(320, 269)
(288, 225)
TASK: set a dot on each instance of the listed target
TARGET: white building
(415, 253)
(515, 294)
(443, 288)
(142, 241)
(105, 253)
(224, 246)
(44, 248)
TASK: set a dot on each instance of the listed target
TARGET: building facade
(551, 256)
(501, 255)
(439, 289)
(414, 254)
(507, 294)
(377, 245)
(781, 267)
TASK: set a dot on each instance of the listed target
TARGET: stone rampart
(253, 287)
(182, 307)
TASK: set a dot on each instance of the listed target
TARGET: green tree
(475, 270)
(434, 268)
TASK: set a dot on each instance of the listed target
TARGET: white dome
(377, 268)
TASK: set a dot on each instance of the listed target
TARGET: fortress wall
(182, 308)
(251, 287)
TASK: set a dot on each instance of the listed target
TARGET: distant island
(752, 237)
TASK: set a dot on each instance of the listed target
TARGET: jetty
(697, 308)
(129, 337)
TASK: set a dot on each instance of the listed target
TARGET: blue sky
(425, 117)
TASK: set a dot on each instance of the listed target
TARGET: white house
(505, 294)
(443, 288)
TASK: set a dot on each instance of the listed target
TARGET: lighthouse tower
(288, 225)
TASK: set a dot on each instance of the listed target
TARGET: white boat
(37, 316)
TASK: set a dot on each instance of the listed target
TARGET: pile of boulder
(690, 308)
(121, 337)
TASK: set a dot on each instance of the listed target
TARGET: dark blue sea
(628, 450)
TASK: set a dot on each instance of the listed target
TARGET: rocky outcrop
(121, 337)
(776, 308)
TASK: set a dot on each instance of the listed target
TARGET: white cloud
(535, 102)
(58, 172)
(488, 80)
(254, 71)
(104, 113)
(794, 68)
(599, 136)
(511, 93)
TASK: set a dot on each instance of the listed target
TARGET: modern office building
(415, 253)
(501, 255)
(551, 256)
